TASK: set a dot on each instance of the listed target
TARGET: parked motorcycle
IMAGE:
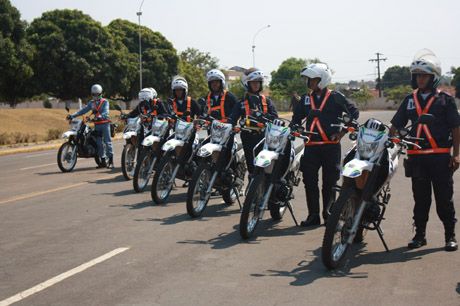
(365, 193)
(222, 167)
(276, 173)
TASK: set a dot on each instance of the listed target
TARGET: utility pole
(254, 44)
(139, 14)
(379, 80)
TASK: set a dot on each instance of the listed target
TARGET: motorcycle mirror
(426, 119)
(300, 129)
(347, 118)
(403, 132)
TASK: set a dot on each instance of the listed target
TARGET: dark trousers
(328, 158)
(432, 172)
(250, 140)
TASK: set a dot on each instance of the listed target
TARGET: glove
(69, 117)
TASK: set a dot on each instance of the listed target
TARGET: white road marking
(35, 167)
(52, 281)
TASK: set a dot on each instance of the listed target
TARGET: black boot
(102, 164)
(451, 244)
(110, 163)
(418, 241)
(312, 220)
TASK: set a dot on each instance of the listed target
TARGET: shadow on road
(307, 272)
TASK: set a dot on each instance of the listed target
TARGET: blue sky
(344, 34)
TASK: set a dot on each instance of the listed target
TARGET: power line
(378, 60)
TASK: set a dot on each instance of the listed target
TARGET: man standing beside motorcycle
(431, 165)
(100, 109)
(322, 108)
(180, 103)
(253, 101)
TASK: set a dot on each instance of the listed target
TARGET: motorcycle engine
(372, 213)
(283, 192)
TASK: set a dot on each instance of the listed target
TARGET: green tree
(159, 58)
(456, 81)
(362, 97)
(193, 66)
(74, 51)
(237, 88)
(396, 76)
(15, 55)
(397, 94)
(286, 79)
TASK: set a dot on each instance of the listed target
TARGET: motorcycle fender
(69, 133)
(172, 144)
(265, 158)
(295, 166)
(208, 149)
(128, 135)
(356, 167)
(150, 140)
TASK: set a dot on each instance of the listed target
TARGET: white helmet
(146, 94)
(426, 62)
(216, 74)
(96, 89)
(318, 70)
(179, 82)
(253, 75)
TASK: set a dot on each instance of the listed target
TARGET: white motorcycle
(178, 161)
(222, 167)
(276, 173)
(368, 169)
(129, 154)
(150, 152)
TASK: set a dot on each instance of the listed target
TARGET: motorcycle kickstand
(380, 232)
(291, 210)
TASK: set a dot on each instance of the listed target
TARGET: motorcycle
(179, 159)
(222, 167)
(365, 192)
(81, 142)
(277, 168)
(150, 152)
(129, 154)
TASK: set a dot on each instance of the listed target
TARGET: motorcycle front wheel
(142, 171)
(197, 199)
(128, 161)
(161, 186)
(251, 212)
(67, 157)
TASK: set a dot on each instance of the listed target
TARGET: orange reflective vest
(189, 106)
(96, 111)
(154, 112)
(423, 127)
(316, 124)
(264, 106)
(220, 107)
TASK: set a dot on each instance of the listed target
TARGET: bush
(54, 134)
(47, 104)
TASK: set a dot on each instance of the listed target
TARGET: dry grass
(31, 125)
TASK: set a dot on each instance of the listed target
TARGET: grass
(31, 125)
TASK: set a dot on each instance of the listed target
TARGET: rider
(219, 102)
(433, 165)
(252, 101)
(322, 107)
(100, 109)
(180, 103)
(148, 104)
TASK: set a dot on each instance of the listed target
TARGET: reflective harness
(317, 124)
(96, 111)
(189, 104)
(154, 112)
(221, 106)
(264, 106)
(434, 146)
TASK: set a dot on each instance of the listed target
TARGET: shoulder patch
(307, 100)
(410, 104)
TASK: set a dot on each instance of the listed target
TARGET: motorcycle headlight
(273, 141)
(183, 130)
(159, 128)
(367, 150)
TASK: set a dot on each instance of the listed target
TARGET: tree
(193, 66)
(456, 81)
(362, 97)
(73, 52)
(396, 76)
(15, 55)
(159, 58)
(398, 93)
(286, 79)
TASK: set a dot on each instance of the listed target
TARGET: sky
(344, 34)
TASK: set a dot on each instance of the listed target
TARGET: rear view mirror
(426, 119)
(403, 132)
(347, 119)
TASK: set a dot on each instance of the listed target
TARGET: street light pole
(139, 14)
(254, 44)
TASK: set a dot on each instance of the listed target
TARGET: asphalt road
(85, 238)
